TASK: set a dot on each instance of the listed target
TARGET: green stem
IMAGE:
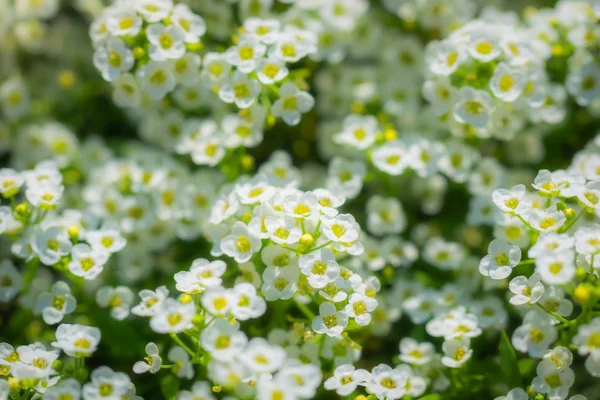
(569, 224)
(527, 224)
(555, 315)
(321, 246)
(30, 273)
(526, 262)
(305, 310)
(180, 343)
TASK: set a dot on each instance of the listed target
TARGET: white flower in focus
(77, 340)
(500, 260)
(330, 321)
(292, 103)
(56, 304)
(152, 362)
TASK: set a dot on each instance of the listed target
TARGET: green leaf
(508, 361)
(169, 386)
(527, 366)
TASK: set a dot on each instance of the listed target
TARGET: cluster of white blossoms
(258, 199)
(66, 240)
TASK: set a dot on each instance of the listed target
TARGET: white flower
(56, 304)
(385, 215)
(359, 307)
(77, 340)
(358, 131)
(66, 389)
(152, 362)
(241, 243)
(156, 78)
(223, 340)
(279, 283)
(513, 200)
(500, 260)
(246, 54)
(126, 91)
(553, 381)
(151, 301)
(153, 10)
(113, 59)
(218, 300)
(107, 239)
(182, 367)
(51, 244)
(34, 361)
(341, 228)
(87, 262)
(14, 98)
(526, 290)
(271, 70)
(484, 46)
(166, 42)
(173, 317)
(345, 177)
(119, 299)
(456, 352)
(11, 281)
(282, 230)
(346, 379)
(203, 274)
(262, 357)
(547, 220)
(240, 89)
(535, 335)
(124, 23)
(192, 25)
(292, 103)
(588, 341)
(514, 394)
(105, 381)
(319, 267)
(556, 268)
(473, 107)
(330, 321)
(507, 83)
(551, 243)
(45, 194)
(388, 383)
(392, 158)
(415, 353)
(247, 304)
(443, 58)
(584, 84)
(442, 254)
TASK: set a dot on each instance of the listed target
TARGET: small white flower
(330, 321)
(415, 353)
(385, 215)
(240, 89)
(11, 281)
(192, 25)
(341, 228)
(526, 290)
(173, 317)
(292, 103)
(456, 352)
(151, 301)
(246, 54)
(247, 304)
(473, 107)
(346, 379)
(507, 83)
(166, 42)
(105, 380)
(262, 357)
(203, 274)
(548, 220)
(535, 335)
(500, 260)
(56, 304)
(113, 59)
(513, 200)
(241, 243)
(359, 307)
(51, 244)
(271, 70)
(156, 78)
(87, 262)
(182, 367)
(556, 268)
(77, 340)
(319, 267)
(152, 362)
(223, 340)
(119, 299)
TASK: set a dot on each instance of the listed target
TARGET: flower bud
(198, 320)
(582, 293)
(185, 298)
(580, 273)
(307, 240)
(561, 205)
(139, 53)
(569, 213)
(248, 163)
(14, 384)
